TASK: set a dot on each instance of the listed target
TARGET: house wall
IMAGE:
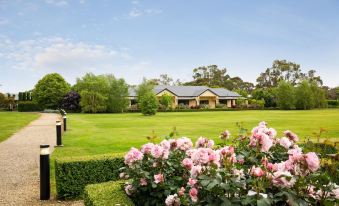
(211, 101)
(192, 103)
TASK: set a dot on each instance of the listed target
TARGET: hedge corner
(108, 193)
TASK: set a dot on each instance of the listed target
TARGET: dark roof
(188, 91)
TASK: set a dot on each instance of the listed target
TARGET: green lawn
(11, 122)
(91, 134)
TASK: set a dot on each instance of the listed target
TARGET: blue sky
(143, 38)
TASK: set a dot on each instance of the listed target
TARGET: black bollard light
(65, 122)
(45, 190)
(58, 133)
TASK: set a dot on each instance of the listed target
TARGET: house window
(184, 101)
(203, 102)
(134, 102)
(223, 101)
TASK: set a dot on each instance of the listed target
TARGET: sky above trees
(143, 38)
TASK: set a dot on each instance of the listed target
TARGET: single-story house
(192, 96)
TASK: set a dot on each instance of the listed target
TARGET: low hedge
(108, 193)
(73, 174)
(29, 106)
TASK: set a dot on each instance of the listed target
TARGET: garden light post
(65, 122)
(58, 133)
(44, 173)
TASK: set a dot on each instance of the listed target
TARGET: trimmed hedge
(73, 174)
(108, 193)
(29, 106)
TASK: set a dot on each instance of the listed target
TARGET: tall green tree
(147, 99)
(304, 96)
(2, 100)
(268, 95)
(50, 90)
(283, 70)
(319, 95)
(93, 91)
(117, 94)
(285, 95)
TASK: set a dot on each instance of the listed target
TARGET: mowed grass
(90, 134)
(11, 122)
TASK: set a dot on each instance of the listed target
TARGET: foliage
(93, 91)
(241, 103)
(108, 193)
(2, 100)
(73, 174)
(117, 95)
(319, 95)
(257, 104)
(332, 93)
(212, 76)
(333, 103)
(71, 101)
(50, 90)
(149, 103)
(285, 95)
(283, 70)
(147, 100)
(183, 106)
(29, 106)
(268, 95)
(166, 100)
(257, 170)
(303, 96)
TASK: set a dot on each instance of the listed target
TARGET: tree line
(283, 85)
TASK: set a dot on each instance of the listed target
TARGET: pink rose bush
(260, 169)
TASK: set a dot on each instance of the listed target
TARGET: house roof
(188, 91)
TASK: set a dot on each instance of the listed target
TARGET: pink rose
(181, 191)
(290, 135)
(158, 178)
(157, 151)
(257, 171)
(133, 156)
(312, 161)
(188, 163)
(172, 200)
(193, 194)
(129, 189)
(283, 179)
(184, 143)
(192, 182)
(266, 143)
(195, 171)
(285, 142)
(225, 135)
(147, 148)
(143, 182)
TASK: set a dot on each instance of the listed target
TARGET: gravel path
(19, 163)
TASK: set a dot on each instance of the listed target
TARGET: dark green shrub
(29, 106)
(108, 193)
(333, 103)
(73, 174)
(322, 148)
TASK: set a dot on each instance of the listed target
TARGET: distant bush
(29, 106)
(256, 104)
(204, 106)
(220, 106)
(71, 101)
(73, 174)
(183, 106)
(333, 103)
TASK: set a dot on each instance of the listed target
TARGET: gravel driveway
(19, 163)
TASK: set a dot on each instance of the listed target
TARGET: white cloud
(47, 54)
(4, 21)
(57, 2)
(137, 12)
(135, 2)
